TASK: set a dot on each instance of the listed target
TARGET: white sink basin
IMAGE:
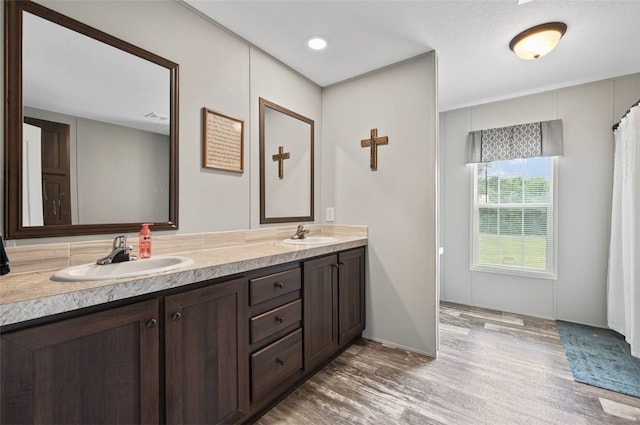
(311, 240)
(121, 270)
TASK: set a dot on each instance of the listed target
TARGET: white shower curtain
(623, 300)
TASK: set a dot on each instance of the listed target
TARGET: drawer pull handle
(280, 361)
(337, 266)
(152, 323)
(176, 316)
(279, 285)
(279, 319)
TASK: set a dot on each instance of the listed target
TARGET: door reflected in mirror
(91, 135)
(286, 165)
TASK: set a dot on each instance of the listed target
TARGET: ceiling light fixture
(537, 41)
(317, 43)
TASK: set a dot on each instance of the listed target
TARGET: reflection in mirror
(286, 165)
(93, 129)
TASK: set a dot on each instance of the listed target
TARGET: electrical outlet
(330, 214)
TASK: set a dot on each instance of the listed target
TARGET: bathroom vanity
(204, 349)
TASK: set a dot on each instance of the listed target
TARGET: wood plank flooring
(492, 368)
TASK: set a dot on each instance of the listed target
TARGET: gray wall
(118, 174)
(397, 201)
(584, 202)
(123, 174)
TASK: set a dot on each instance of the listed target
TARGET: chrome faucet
(120, 252)
(301, 232)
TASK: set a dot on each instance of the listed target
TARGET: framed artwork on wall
(222, 141)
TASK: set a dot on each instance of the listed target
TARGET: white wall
(32, 212)
(584, 202)
(398, 201)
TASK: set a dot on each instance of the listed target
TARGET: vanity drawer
(274, 285)
(275, 320)
(275, 363)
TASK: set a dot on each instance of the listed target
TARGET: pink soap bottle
(144, 244)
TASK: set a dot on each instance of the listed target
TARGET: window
(513, 217)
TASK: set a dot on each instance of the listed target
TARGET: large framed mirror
(286, 165)
(91, 129)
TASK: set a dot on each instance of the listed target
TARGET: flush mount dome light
(537, 41)
(317, 43)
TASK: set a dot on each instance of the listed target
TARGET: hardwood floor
(492, 368)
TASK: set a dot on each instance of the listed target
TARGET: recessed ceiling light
(317, 43)
(537, 41)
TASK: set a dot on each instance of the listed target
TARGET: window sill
(515, 272)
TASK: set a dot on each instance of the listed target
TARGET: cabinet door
(206, 355)
(320, 300)
(351, 294)
(98, 368)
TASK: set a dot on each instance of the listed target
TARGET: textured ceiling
(71, 74)
(470, 38)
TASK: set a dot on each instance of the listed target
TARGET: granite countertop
(27, 296)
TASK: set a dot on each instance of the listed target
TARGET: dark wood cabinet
(205, 355)
(274, 364)
(320, 309)
(334, 311)
(275, 323)
(275, 320)
(217, 354)
(274, 285)
(351, 310)
(98, 368)
(105, 367)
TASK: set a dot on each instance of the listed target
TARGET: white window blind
(513, 216)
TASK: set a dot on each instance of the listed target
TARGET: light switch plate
(330, 214)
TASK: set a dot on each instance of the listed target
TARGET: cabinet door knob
(152, 323)
(279, 285)
(279, 319)
(176, 316)
(280, 361)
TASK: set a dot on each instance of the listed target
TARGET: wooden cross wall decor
(280, 157)
(373, 143)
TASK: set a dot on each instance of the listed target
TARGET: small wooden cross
(373, 143)
(280, 157)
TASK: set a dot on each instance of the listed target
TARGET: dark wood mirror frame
(263, 103)
(13, 228)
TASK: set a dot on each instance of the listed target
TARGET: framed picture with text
(222, 141)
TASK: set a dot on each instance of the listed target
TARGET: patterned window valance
(542, 138)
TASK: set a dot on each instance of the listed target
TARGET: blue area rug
(600, 357)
